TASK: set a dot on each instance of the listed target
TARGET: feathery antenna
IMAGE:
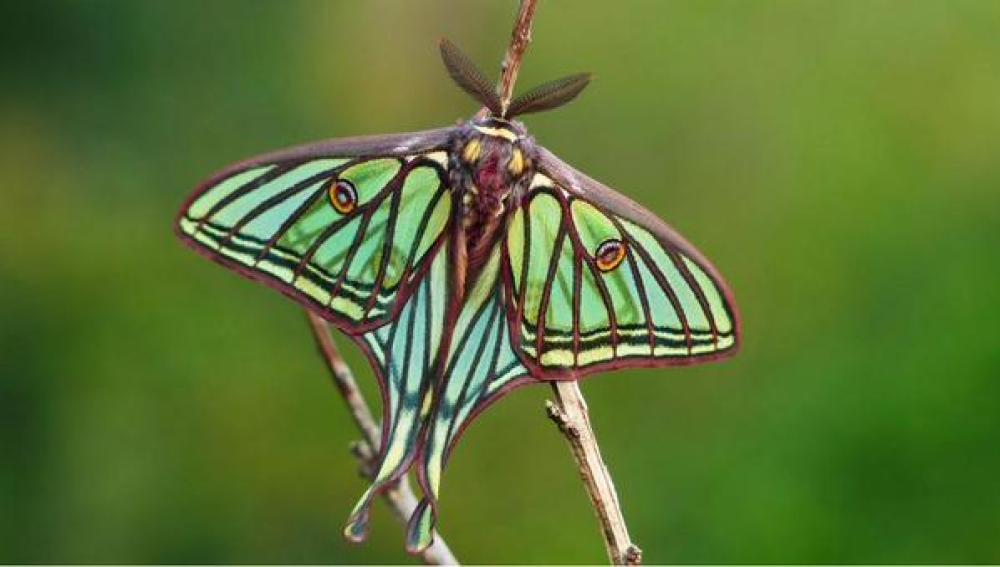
(543, 97)
(467, 76)
(549, 95)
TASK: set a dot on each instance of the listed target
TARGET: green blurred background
(837, 160)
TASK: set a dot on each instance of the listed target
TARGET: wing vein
(698, 293)
(547, 291)
(664, 285)
(287, 224)
(640, 287)
(366, 211)
(577, 291)
(581, 252)
(525, 255)
(387, 244)
(245, 189)
(403, 377)
(422, 227)
(275, 199)
(478, 358)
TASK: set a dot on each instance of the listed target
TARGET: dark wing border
(379, 146)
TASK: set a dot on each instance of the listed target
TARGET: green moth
(465, 261)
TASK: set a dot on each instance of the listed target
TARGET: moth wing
(345, 227)
(597, 282)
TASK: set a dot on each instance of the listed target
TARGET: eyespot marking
(343, 196)
(609, 254)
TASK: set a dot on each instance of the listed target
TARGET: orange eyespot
(343, 196)
(609, 255)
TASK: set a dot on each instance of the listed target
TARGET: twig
(570, 414)
(520, 38)
(570, 410)
(400, 497)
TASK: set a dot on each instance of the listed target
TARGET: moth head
(495, 152)
(543, 97)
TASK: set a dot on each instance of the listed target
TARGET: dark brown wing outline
(367, 147)
(580, 185)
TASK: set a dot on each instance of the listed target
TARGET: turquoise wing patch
(431, 399)
(480, 367)
(348, 238)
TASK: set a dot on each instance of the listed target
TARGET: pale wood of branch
(401, 499)
(570, 414)
(520, 38)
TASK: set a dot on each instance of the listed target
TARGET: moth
(465, 262)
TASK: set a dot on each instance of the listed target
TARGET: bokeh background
(837, 160)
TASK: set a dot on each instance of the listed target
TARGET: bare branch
(520, 38)
(401, 499)
(570, 414)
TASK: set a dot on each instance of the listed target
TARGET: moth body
(492, 165)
